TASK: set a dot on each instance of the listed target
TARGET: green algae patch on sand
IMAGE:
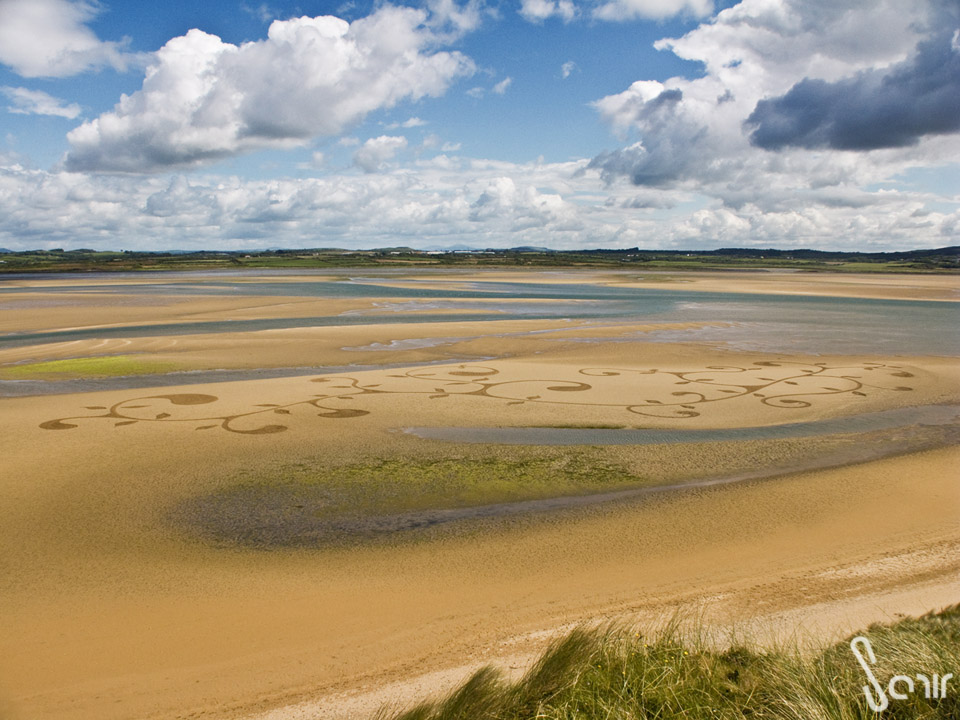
(88, 367)
(311, 506)
(399, 485)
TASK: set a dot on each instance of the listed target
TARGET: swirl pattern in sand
(652, 392)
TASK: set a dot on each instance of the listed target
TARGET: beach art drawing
(627, 392)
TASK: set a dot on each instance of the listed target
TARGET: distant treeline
(933, 260)
(952, 253)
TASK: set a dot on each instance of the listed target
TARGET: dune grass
(89, 367)
(619, 674)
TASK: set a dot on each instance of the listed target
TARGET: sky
(672, 124)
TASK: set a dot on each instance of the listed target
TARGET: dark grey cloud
(660, 165)
(875, 109)
(660, 201)
(666, 151)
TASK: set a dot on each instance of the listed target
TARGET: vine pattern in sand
(671, 394)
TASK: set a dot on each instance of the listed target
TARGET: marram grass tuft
(619, 674)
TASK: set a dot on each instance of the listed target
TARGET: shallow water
(865, 422)
(12, 340)
(26, 388)
(769, 323)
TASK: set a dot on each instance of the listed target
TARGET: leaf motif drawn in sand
(123, 413)
(646, 392)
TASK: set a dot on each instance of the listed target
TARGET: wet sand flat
(777, 282)
(130, 586)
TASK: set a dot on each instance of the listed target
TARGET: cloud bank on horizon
(666, 124)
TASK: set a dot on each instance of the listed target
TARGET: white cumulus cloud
(444, 201)
(699, 136)
(686, 171)
(203, 99)
(537, 11)
(693, 131)
(50, 38)
(407, 124)
(619, 10)
(452, 20)
(37, 102)
(376, 152)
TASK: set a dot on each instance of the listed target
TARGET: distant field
(938, 260)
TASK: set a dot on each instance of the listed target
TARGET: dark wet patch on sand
(292, 514)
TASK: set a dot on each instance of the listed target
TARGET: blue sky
(558, 123)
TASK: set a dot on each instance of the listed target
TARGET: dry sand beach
(271, 496)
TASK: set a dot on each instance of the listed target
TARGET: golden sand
(766, 282)
(37, 312)
(109, 609)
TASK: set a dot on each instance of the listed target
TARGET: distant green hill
(945, 259)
